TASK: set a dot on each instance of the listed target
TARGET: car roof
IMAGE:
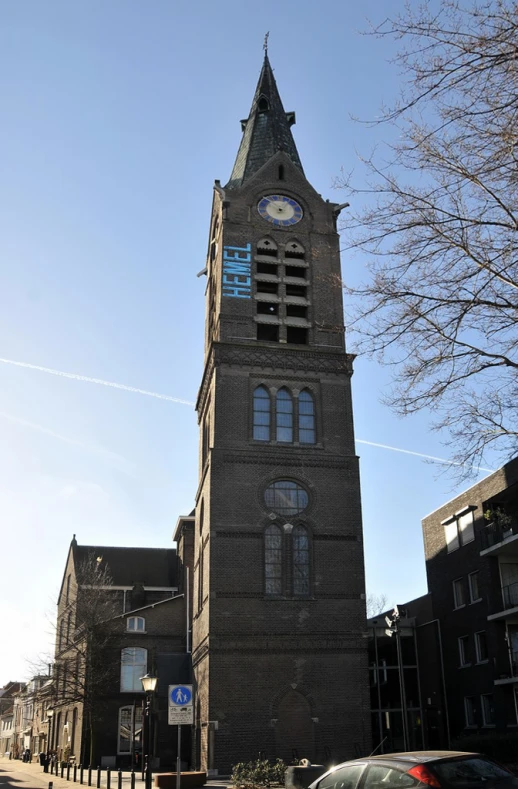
(420, 756)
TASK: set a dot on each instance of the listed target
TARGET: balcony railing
(495, 532)
(510, 595)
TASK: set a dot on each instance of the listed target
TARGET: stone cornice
(273, 358)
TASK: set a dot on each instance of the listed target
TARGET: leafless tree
(82, 664)
(376, 604)
(437, 218)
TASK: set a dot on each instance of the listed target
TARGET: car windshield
(475, 769)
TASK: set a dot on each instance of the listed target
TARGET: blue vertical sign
(237, 272)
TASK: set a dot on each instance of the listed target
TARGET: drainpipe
(446, 716)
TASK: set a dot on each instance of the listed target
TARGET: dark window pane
(296, 335)
(284, 416)
(267, 308)
(296, 311)
(296, 290)
(307, 436)
(266, 268)
(261, 414)
(295, 271)
(273, 560)
(267, 287)
(267, 332)
(306, 418)
(300, 561)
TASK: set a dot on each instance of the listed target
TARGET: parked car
(438, 769)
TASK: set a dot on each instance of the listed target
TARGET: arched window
(133, 667)
(137, 624)
(284, 416)
(273, 560)
(60, 639)
(69, 617)
(306, 418)
(263, 104)
(281, 172)
(261, 414)
(300, 561)
(130, 729)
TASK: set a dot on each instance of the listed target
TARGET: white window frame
(451, 536)
(477, 647)
(486, 724)
(463, 642)
(136, 620)
(459, 528)
(473, 724)
(134, 664)
(455, 601)
(466, 526)
(132, 732)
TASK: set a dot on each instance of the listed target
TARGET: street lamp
(50, 715)
(149, 683)
(394, 628)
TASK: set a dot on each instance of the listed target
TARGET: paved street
(20, 775)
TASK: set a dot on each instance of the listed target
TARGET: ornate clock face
(280, 210)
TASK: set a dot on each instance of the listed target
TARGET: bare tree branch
(438, 221)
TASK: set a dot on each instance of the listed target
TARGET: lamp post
(149, 683)
(394, 628)
(50, 716)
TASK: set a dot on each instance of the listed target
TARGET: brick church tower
(279, 646)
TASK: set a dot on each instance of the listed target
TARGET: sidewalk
(35, 772)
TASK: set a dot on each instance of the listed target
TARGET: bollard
(132, 779)
(51, 785)
(75, 773)
(81, 769)
(119, 778)
(90, 775)
(62, 769)
(98, 778)
(68, 771)
(108, 778)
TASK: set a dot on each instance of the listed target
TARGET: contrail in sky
(114, 385)
(420, 455)
(121, 463)
(77, 377)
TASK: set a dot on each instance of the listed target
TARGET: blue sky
(116, 119)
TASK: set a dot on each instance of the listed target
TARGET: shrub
(261, 772)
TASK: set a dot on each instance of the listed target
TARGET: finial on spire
(265, 43)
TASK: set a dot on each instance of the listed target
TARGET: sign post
(180, 713)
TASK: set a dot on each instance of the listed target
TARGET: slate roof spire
(266, 130)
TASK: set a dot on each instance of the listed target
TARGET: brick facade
(487, 680)
(285, 673)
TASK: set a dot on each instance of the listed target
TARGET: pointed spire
(266, 130)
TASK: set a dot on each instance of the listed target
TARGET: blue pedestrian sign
(181, 695)
(180, 709)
